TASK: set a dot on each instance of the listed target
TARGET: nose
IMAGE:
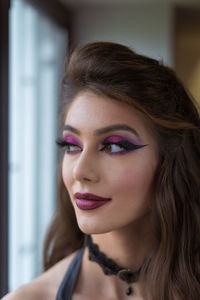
(85, 168)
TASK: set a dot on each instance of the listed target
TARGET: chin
(92, 228)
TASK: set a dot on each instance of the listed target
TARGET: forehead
(89, 111)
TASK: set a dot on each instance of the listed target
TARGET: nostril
(86, 179)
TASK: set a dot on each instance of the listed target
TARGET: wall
(187, 49)
(146, 27)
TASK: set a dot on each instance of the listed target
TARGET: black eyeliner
(126, 145)
(61, 142)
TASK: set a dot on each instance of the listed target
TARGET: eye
(121, 147)
(69, 147)
(113, 148)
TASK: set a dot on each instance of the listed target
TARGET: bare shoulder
(44, 287)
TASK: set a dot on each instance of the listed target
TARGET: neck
(127, 247)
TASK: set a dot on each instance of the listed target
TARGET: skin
(123, 227)
(127, 178)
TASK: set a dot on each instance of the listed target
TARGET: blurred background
(35, 38)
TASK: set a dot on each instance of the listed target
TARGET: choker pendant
(128, 276)
(110, 267)
(129, 291)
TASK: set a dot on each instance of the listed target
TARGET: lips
(87, 196)
(87, 201)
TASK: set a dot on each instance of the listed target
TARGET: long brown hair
(116, 71)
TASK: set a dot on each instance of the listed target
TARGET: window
(37, 50)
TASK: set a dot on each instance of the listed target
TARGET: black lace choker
(109, 267)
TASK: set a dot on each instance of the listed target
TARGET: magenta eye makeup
(112, 145)
(72, 140)
(119, 138)
(118, 145)
(70, 143)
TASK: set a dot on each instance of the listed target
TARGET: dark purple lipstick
(88, 201)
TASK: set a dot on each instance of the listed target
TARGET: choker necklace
(109, 267)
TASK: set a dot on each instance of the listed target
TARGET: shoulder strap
(67, 286)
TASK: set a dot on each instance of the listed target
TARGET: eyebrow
(104, 129)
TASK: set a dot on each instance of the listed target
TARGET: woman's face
(109, 153)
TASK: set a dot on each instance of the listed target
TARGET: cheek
(135, 180)
(65, 174)
(128, 179)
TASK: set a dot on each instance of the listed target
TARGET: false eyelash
(61, 142)
(125, 144)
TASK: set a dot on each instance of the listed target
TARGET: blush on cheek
(128, 180)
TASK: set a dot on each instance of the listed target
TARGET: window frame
(4, 60)
(55, 10)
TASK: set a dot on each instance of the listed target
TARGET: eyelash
(128, 147)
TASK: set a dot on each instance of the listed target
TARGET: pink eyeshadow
(118, 138)
(72, 140)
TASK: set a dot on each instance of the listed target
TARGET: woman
(127, 224)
